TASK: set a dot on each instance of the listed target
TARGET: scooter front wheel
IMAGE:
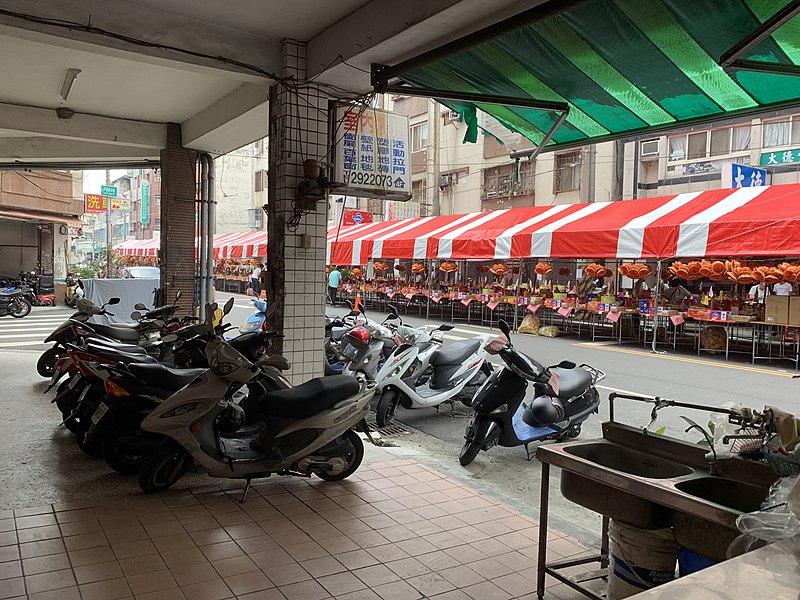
(353, 457)
(468, 453)
(163, 468)
(46, 365)
(387, 406)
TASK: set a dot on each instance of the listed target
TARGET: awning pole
(516, 295)
(659, 267)
(202, 298)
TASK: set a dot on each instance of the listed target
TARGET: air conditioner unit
(649, 148)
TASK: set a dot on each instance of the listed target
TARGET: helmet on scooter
(231, 419)
(544, 410)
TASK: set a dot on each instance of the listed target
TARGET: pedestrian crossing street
(30, 332)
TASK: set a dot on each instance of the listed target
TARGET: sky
(92, 180)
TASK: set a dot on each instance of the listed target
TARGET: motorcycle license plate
(98, 414)
(74, 381)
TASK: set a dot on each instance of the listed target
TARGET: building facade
(39, 212)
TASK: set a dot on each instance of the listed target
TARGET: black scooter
(565, 396)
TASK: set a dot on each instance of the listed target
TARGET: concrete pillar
(296, 261)
(178, 206)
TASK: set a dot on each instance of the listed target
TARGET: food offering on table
(543, 268)
(635, 271)
(769, 275)
(713, 339)
(499, 269)
(381, 266)
(448, 266)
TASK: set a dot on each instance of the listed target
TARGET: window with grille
(260, 181)
(504, 180)
(567, 173)
(419, 137)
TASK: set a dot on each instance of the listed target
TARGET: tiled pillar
(298, 132)
(178, 192)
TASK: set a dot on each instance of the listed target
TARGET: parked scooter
(422, 373)
(299, 431)
(74, 291)
(367, 345)
(565, 396)
(15, 301)
(257, 319)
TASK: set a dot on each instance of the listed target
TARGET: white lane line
(15, 344)
(22, 335)
(619, 391)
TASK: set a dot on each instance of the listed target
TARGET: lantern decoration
(543, 268)
(418, 268)
(483, 268)
(740, 273)
(595, 270)
(356, 272)
(381, 266)
(500, 269)
(565, 271)
(705, 269)
(791, 273)
(635, 271)
(448, 266)
(400, 268)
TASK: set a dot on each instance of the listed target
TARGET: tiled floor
(396, 530)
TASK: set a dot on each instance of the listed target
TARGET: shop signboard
(356, 217)
(95, 203)
(747, 176)
(108, 190)
(144, 202)
(402, 210)
(780, 157)
(120, 203)
(373, 158)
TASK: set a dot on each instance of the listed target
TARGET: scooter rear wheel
(22, 309)
(468, 453)
(353, 458)
(122, 449)
(163, 468)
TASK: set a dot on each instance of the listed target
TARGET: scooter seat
(120, 356)
(309, 398)
(455, 354)
(121, 333)
(114, 345)
(163, 376)
(572, 382)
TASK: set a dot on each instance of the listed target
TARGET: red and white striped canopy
(251, 244)
(752, 221)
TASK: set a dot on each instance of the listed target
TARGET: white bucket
(640, 559)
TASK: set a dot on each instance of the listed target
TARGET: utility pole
(109, 241)
(432, 159)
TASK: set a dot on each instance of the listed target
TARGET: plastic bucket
(640, 559)
(691, 562)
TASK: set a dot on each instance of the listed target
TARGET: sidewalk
(395, 530)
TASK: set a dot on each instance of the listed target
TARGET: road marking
(619, 391)
(15, 344)
(696, 361)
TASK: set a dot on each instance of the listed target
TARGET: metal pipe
(759, 66)
(474, 97)
(203, 299)
(656, 299)
(532, 153)
(760, 33)
(211, 215)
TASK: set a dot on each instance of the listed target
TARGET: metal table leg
(543, 506)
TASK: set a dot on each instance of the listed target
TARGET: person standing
(255, 280)
(758, 292)
(334, 282)
(783, 288)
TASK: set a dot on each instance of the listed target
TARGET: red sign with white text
(356, 217)
(95, 203)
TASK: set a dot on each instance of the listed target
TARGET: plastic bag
(530, 324)
(777, 520)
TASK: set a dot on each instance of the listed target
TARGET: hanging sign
(373, 155)
(95, 203)
(144, 202)
(356, 217)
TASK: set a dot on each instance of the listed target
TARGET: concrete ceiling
(150, 62)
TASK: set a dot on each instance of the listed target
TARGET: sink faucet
(658, 405)
(712, 464)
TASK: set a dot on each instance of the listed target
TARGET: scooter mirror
(505, 329)
(178, 296)
(348, 304)
(393, 309)
(566, 364)
(139, 306)
(136, 315)
(113, 301)
(228, 306)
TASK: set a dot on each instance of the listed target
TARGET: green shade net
(623, 67)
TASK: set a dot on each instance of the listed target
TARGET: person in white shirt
(784, 288)
(255, 279)
(758, 292)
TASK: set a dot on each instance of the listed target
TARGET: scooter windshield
(521, 365)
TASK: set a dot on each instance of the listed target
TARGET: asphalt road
(703, 380)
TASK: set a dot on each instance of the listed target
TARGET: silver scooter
(300, 431)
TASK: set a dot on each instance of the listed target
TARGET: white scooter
(424, 374)
(300, 431)
(367, 346)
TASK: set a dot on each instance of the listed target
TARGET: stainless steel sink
(629, 461)
(738, 495)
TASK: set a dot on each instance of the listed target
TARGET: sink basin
(629, 461)
(737, 495)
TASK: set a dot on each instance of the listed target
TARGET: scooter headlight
(500, 410)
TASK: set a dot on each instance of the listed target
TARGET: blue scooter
(257, 319)
(565, 396)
